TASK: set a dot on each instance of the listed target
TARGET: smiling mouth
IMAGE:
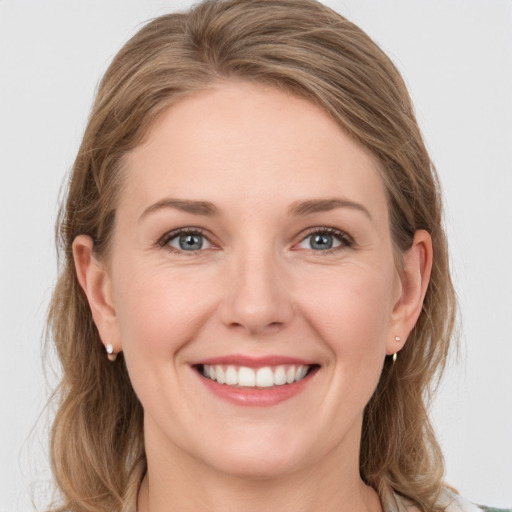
(264, 377)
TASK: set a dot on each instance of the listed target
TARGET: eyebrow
(300, 208)
(325, 205)
(184, 205)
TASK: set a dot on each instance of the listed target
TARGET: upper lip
(252, 361)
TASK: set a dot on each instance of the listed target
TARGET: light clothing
(449, 499)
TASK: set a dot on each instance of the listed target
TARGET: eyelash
(164, 241)
(345, 240)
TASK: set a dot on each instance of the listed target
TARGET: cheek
(159, 310)
(351, 310)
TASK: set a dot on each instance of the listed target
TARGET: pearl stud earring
(110, 352)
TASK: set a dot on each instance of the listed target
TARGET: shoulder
(454, 502)
(449, 501)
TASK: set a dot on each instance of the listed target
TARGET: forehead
(242, 140)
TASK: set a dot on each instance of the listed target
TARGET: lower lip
(261, 397)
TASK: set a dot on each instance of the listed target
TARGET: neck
(177, 481)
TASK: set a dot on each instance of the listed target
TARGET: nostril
(252, 327)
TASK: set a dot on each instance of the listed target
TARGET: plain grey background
(456, 57)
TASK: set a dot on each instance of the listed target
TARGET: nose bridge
(256, 298)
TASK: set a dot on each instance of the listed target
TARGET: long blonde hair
(305, 48)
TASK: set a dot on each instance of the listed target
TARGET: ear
(414, 279)
(96, 284)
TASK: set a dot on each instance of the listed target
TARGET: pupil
(321, 242)
(190, 242)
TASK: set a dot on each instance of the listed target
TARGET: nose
(256, 297)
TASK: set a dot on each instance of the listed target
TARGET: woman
(255, 301)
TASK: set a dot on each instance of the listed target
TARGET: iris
(191, 242)
(321, 242)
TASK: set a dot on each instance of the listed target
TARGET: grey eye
(321, 242)
(189, 242)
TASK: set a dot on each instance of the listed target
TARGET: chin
(258, 466)
(261, 458)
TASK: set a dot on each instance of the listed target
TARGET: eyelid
(189, 230)
(346, 241)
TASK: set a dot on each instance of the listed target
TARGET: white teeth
(280, 376)
(231, 376)
(264, 377)
(221, 376)
(246, 377)
(301, 372)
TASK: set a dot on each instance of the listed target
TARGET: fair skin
(286, 260)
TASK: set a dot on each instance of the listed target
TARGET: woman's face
(252, 242)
